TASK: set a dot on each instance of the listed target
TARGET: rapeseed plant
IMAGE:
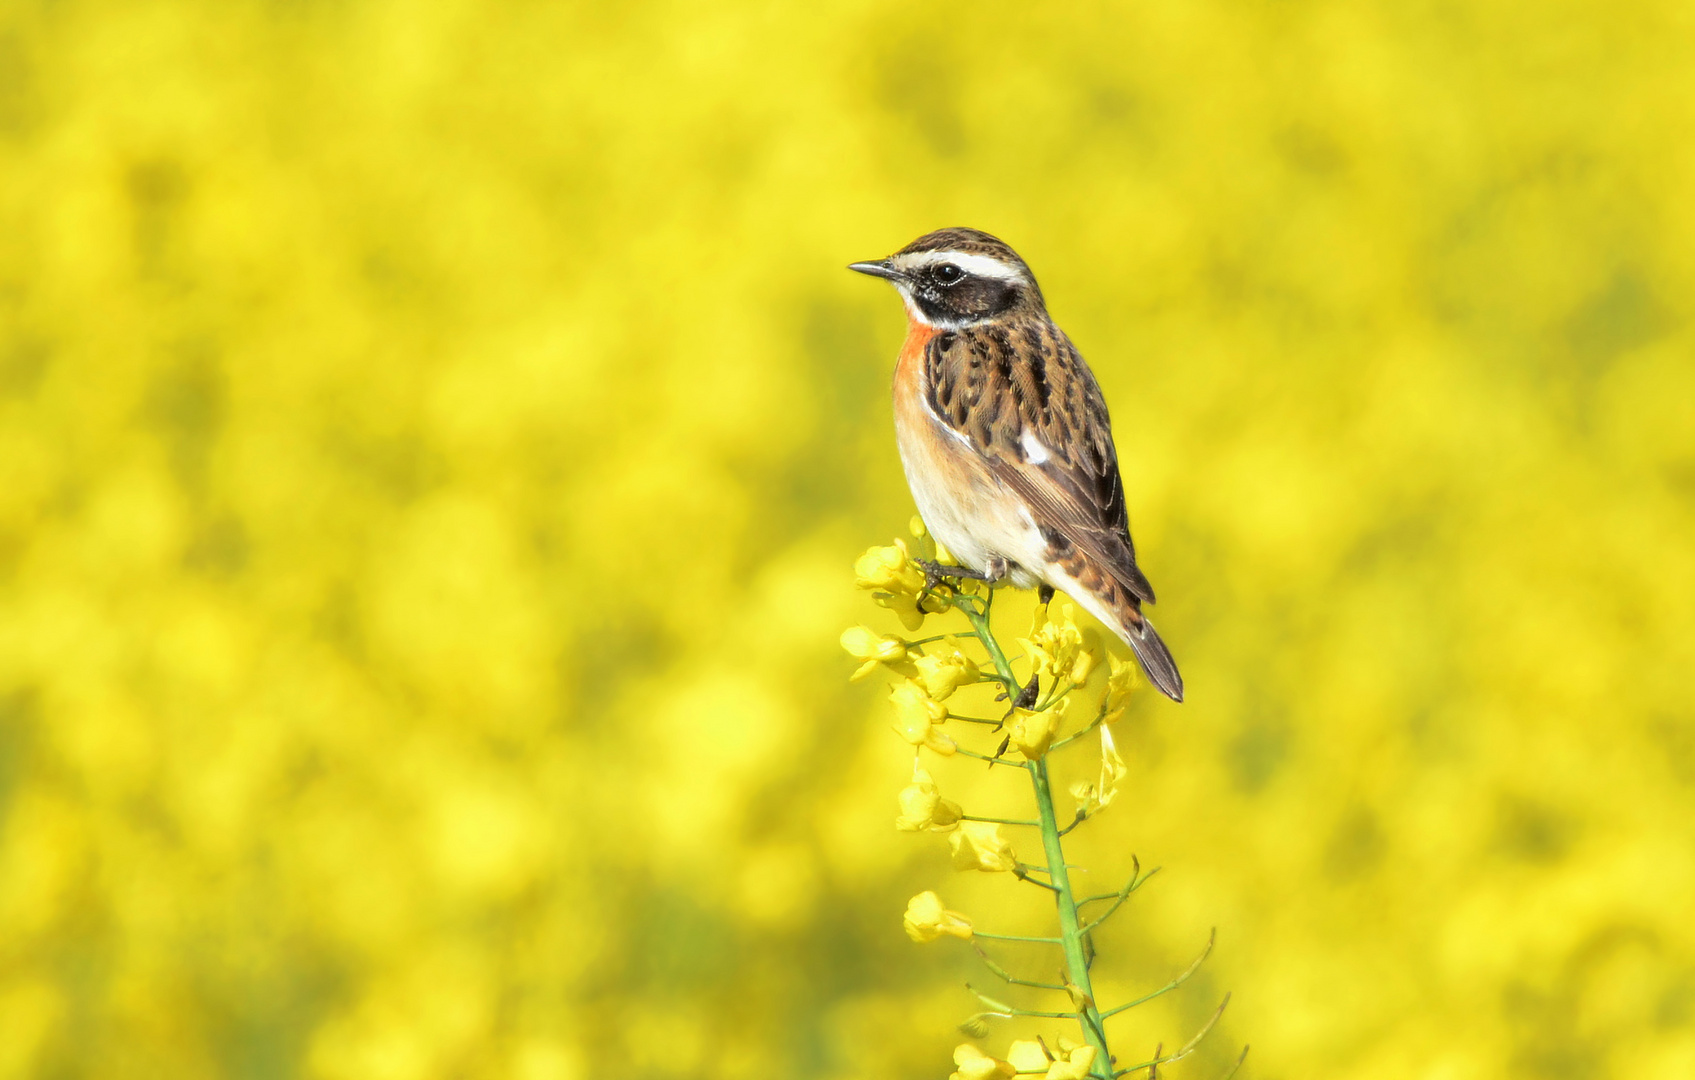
(911, 579)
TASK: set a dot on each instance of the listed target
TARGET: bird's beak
(881, 268)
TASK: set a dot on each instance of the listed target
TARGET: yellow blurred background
(434, 438)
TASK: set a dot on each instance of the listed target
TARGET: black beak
(880, 268)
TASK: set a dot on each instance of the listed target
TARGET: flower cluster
(940, 671)
(1035, 718)
(897, 583)
(1057, 648)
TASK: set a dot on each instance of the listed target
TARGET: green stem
(1016, 937)
(1071, 934)
(984, 757)
(979, 620)
(1007, 975)
(933, 638)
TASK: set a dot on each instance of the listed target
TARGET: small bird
(1004, 435)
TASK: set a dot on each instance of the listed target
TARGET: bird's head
(953, 278)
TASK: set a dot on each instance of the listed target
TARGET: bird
(1005, 439)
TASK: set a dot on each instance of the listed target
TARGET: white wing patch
(1034, 452)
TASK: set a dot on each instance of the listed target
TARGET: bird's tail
(1111, 599)
(1155, 658)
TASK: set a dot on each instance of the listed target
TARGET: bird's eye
(948, 273)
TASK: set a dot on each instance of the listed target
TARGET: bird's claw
(936, 574)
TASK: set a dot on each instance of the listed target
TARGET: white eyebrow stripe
(1034, 452)
(970, 261)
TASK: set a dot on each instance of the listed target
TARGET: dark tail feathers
(1155, 657)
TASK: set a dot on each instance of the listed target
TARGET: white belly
(972, 514)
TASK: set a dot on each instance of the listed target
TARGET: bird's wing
(1022, 396)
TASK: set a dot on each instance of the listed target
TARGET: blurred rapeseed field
(435, 437)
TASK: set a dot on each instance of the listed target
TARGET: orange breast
(937, 467)
(909, 367)
(913, 425)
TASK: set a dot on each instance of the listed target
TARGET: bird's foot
(936, 573)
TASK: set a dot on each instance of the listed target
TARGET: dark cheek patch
(975, 298)
(984, 297)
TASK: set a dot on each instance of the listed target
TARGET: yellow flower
(927, 920)
(1088, 655)
(1093, 798)
(905, 606)
(915, 708)
(971, 1063)
(1033, 732)
(1125, 678)
(1027, 1056)
(888, 568)
(916, 717)
(865, 644)
(922, 805)
(979, 845)
(945, 670)
(899, 583)
(1074, 1065)
(1053, 646)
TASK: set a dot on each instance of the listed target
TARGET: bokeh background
(434, 438)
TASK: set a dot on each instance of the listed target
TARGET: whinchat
(1004, 435)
